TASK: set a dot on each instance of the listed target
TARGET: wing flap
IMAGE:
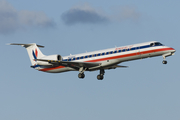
(121, 66)
(71, 64)
(116, 66)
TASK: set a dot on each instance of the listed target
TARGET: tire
(100, 77)
(81, 75)
(164, 62)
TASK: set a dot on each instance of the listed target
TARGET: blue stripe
(34, 55)
(110, 52)
(35, 66)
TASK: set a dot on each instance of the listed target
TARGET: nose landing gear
(164, 57)
(164, 62)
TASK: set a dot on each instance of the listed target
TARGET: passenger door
(138, 52)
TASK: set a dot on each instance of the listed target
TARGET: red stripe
(130, 55)
(115, 57)
(36, 53)
(53, 68)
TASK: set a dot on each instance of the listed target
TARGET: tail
(33, 51)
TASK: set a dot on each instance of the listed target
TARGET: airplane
(97, 60)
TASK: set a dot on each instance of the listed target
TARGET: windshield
(156, 44)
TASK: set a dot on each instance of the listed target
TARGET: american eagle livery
(98, 60)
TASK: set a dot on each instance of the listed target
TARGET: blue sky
(146, 90)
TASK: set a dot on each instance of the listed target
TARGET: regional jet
(98, 60)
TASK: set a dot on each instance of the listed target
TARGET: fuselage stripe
(115, 57)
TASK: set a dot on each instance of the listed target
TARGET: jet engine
(50, 57)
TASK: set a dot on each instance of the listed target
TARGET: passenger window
(132, 48)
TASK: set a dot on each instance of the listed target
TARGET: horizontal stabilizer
(26, 45)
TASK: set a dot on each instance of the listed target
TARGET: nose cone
(173, 50)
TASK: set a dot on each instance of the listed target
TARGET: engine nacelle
(50, 57)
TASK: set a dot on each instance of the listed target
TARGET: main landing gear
(81, 72)
(82, 75)
(101, 75)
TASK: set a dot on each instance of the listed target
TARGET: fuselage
(113, 56)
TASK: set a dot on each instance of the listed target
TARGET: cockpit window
(152, 44)
(156, 44)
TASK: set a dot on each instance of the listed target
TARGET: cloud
(12, 19)
(38, 19)
(83, 14)
(126, 13)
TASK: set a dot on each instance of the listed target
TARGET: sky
(146, 90)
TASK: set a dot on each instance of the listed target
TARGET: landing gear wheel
(164, 62)
(100, 77)
(81, 75)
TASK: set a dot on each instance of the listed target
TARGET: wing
(115, 66)
(71, 64)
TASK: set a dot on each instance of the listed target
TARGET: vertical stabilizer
(33, 51)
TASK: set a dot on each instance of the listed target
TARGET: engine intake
(59, 57)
